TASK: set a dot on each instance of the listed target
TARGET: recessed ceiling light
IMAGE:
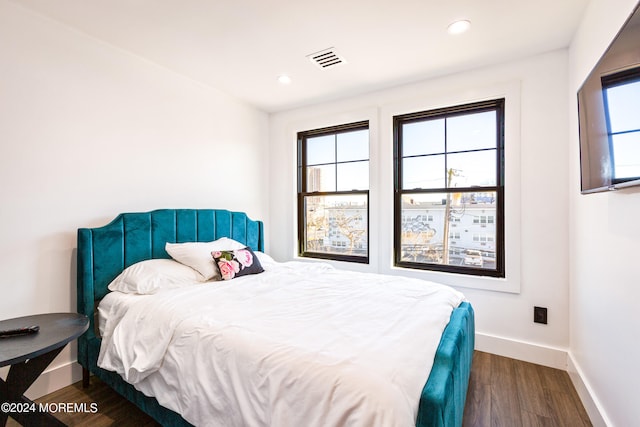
(459, 27)
(284, 79)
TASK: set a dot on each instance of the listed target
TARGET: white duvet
(300, 345)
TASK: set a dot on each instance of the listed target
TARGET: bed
(104, 252)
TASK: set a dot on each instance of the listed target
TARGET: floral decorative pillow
(236, 263)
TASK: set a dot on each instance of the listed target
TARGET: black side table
(28, 356)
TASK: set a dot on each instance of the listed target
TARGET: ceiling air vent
(327, 58)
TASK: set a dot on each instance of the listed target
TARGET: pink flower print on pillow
(228, 269)
(244, 257)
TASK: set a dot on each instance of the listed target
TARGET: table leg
(19, 379)
(86, 377)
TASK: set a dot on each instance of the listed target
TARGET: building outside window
(449, 167)
(333, 193)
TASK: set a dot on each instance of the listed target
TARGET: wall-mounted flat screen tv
(609, 115)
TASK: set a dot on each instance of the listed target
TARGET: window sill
(488, 283)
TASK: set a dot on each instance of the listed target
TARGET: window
(450, 162)
(622, 102)
(333, 193)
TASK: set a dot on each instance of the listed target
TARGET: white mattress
(301, 344)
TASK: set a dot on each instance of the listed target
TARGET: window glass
(471, 131)
(424, 137)
(321, 178)
(423, 172)
(337, 224)
(430, 241)
(353, 176)
(471, 169)
(353, 146)
(321, 149)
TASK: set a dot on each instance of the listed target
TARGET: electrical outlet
(540, 315)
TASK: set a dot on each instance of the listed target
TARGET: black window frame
(497, 105)
(302, 192)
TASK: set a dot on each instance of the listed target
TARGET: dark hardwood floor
(511, 393)
(502, 392)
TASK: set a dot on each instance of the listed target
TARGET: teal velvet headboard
(131, 237)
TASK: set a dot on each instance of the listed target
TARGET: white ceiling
(242, 46)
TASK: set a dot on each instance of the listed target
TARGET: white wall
(88, 131)
(604, 239)
(537, 107)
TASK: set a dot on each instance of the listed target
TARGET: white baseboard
(521, 350)
(591, 404)
(54, 379)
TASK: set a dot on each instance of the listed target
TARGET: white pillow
(265, 260)
(147, 277)
(197, 255)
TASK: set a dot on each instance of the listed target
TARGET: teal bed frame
(103, 252)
